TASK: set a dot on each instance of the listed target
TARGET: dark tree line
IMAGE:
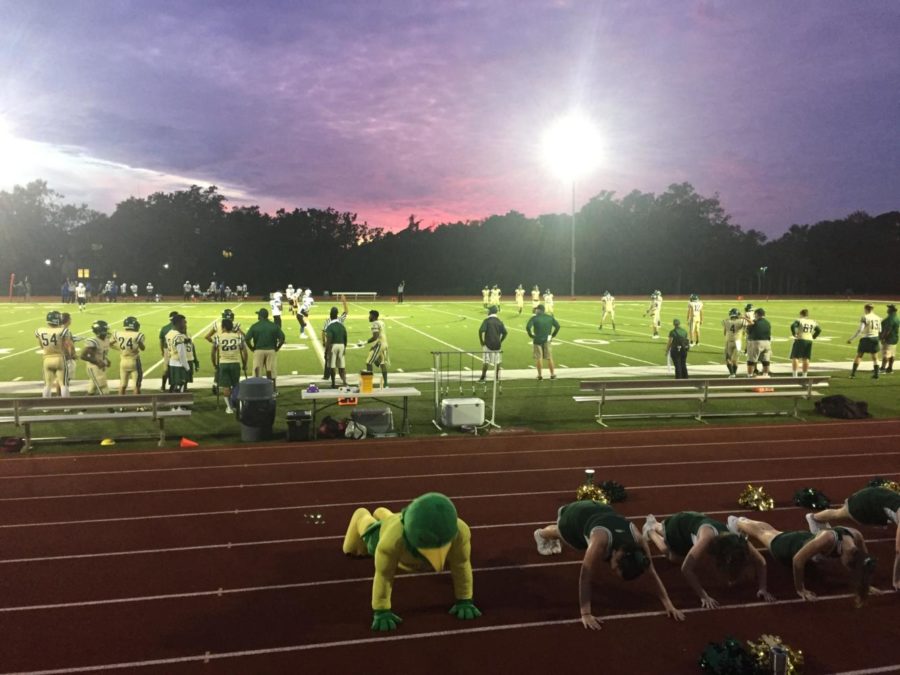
(678, 241)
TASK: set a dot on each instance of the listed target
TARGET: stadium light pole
(572, 149)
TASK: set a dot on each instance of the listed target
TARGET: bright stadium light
(165, 266)
(572, 148)
(48, 262)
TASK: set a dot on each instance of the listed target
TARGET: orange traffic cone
(188, 443)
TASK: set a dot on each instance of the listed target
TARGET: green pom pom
(614, 491)
(727, 658)
(811, 498)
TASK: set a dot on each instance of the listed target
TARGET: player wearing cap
(130, 344)
(804, 330)
(55, 342)
(96, 353)
(265, 338)
(889, 329)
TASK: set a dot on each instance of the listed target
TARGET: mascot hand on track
(423, 537)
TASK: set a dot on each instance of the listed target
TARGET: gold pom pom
(756, 498)
(891, 485)
(592, 492)
(763, 653)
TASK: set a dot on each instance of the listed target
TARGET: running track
(227, 560)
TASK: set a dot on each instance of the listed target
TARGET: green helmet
(748, 307)
(131, 323)
(100, 327)
(54, 318)
(430, 521)
(228, 314)
(694, 297)
(733, 313)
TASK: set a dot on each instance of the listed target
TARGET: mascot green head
(429, 524)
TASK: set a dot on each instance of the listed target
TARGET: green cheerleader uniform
(682, 530)
(576, 522)
(787, 544)
(874, 506)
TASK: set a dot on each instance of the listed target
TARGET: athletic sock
(853, 371)
(46, 392)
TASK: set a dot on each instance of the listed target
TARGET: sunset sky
(789, 110)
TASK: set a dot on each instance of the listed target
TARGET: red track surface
(211, 560)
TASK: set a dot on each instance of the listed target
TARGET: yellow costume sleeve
(460, 563)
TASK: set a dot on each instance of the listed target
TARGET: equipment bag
(842, 407)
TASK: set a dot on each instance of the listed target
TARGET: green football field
(415, 329)
(418, 328)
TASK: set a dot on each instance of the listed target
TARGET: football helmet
(100, 328)
(228, 314)
(131, 323)
(748, 307)
(733, 313)
(54, 318)
(694, 297)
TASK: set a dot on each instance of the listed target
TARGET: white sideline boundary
(406, 500)
(216, 656)
(453, 474)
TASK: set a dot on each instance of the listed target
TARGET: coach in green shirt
(264, 339)
(759, 343)
(542, 328)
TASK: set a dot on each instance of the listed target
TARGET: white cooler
(458, 412)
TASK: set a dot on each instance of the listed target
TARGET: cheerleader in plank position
(689, 537)
(796, 549)
(869, 506)
(605, 537)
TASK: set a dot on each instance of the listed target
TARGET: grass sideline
(417, 328)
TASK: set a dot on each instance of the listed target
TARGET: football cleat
(54, 318)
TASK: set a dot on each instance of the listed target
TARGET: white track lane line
(326, 537)
(220, 592)
(648, 446)
(404, 637)
(453, 474)
(406, 500)
(256, 449)
(871, 671)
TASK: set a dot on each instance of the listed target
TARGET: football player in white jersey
(548, 301)
(96, 353)
(654, 311)
(695, 319)
(55, 342)
(378, 349)
(733, 327)
(520, 298)
(869, 330)
(608, 303)
(276, 308)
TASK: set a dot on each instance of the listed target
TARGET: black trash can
(256, 408)
(299, 425)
